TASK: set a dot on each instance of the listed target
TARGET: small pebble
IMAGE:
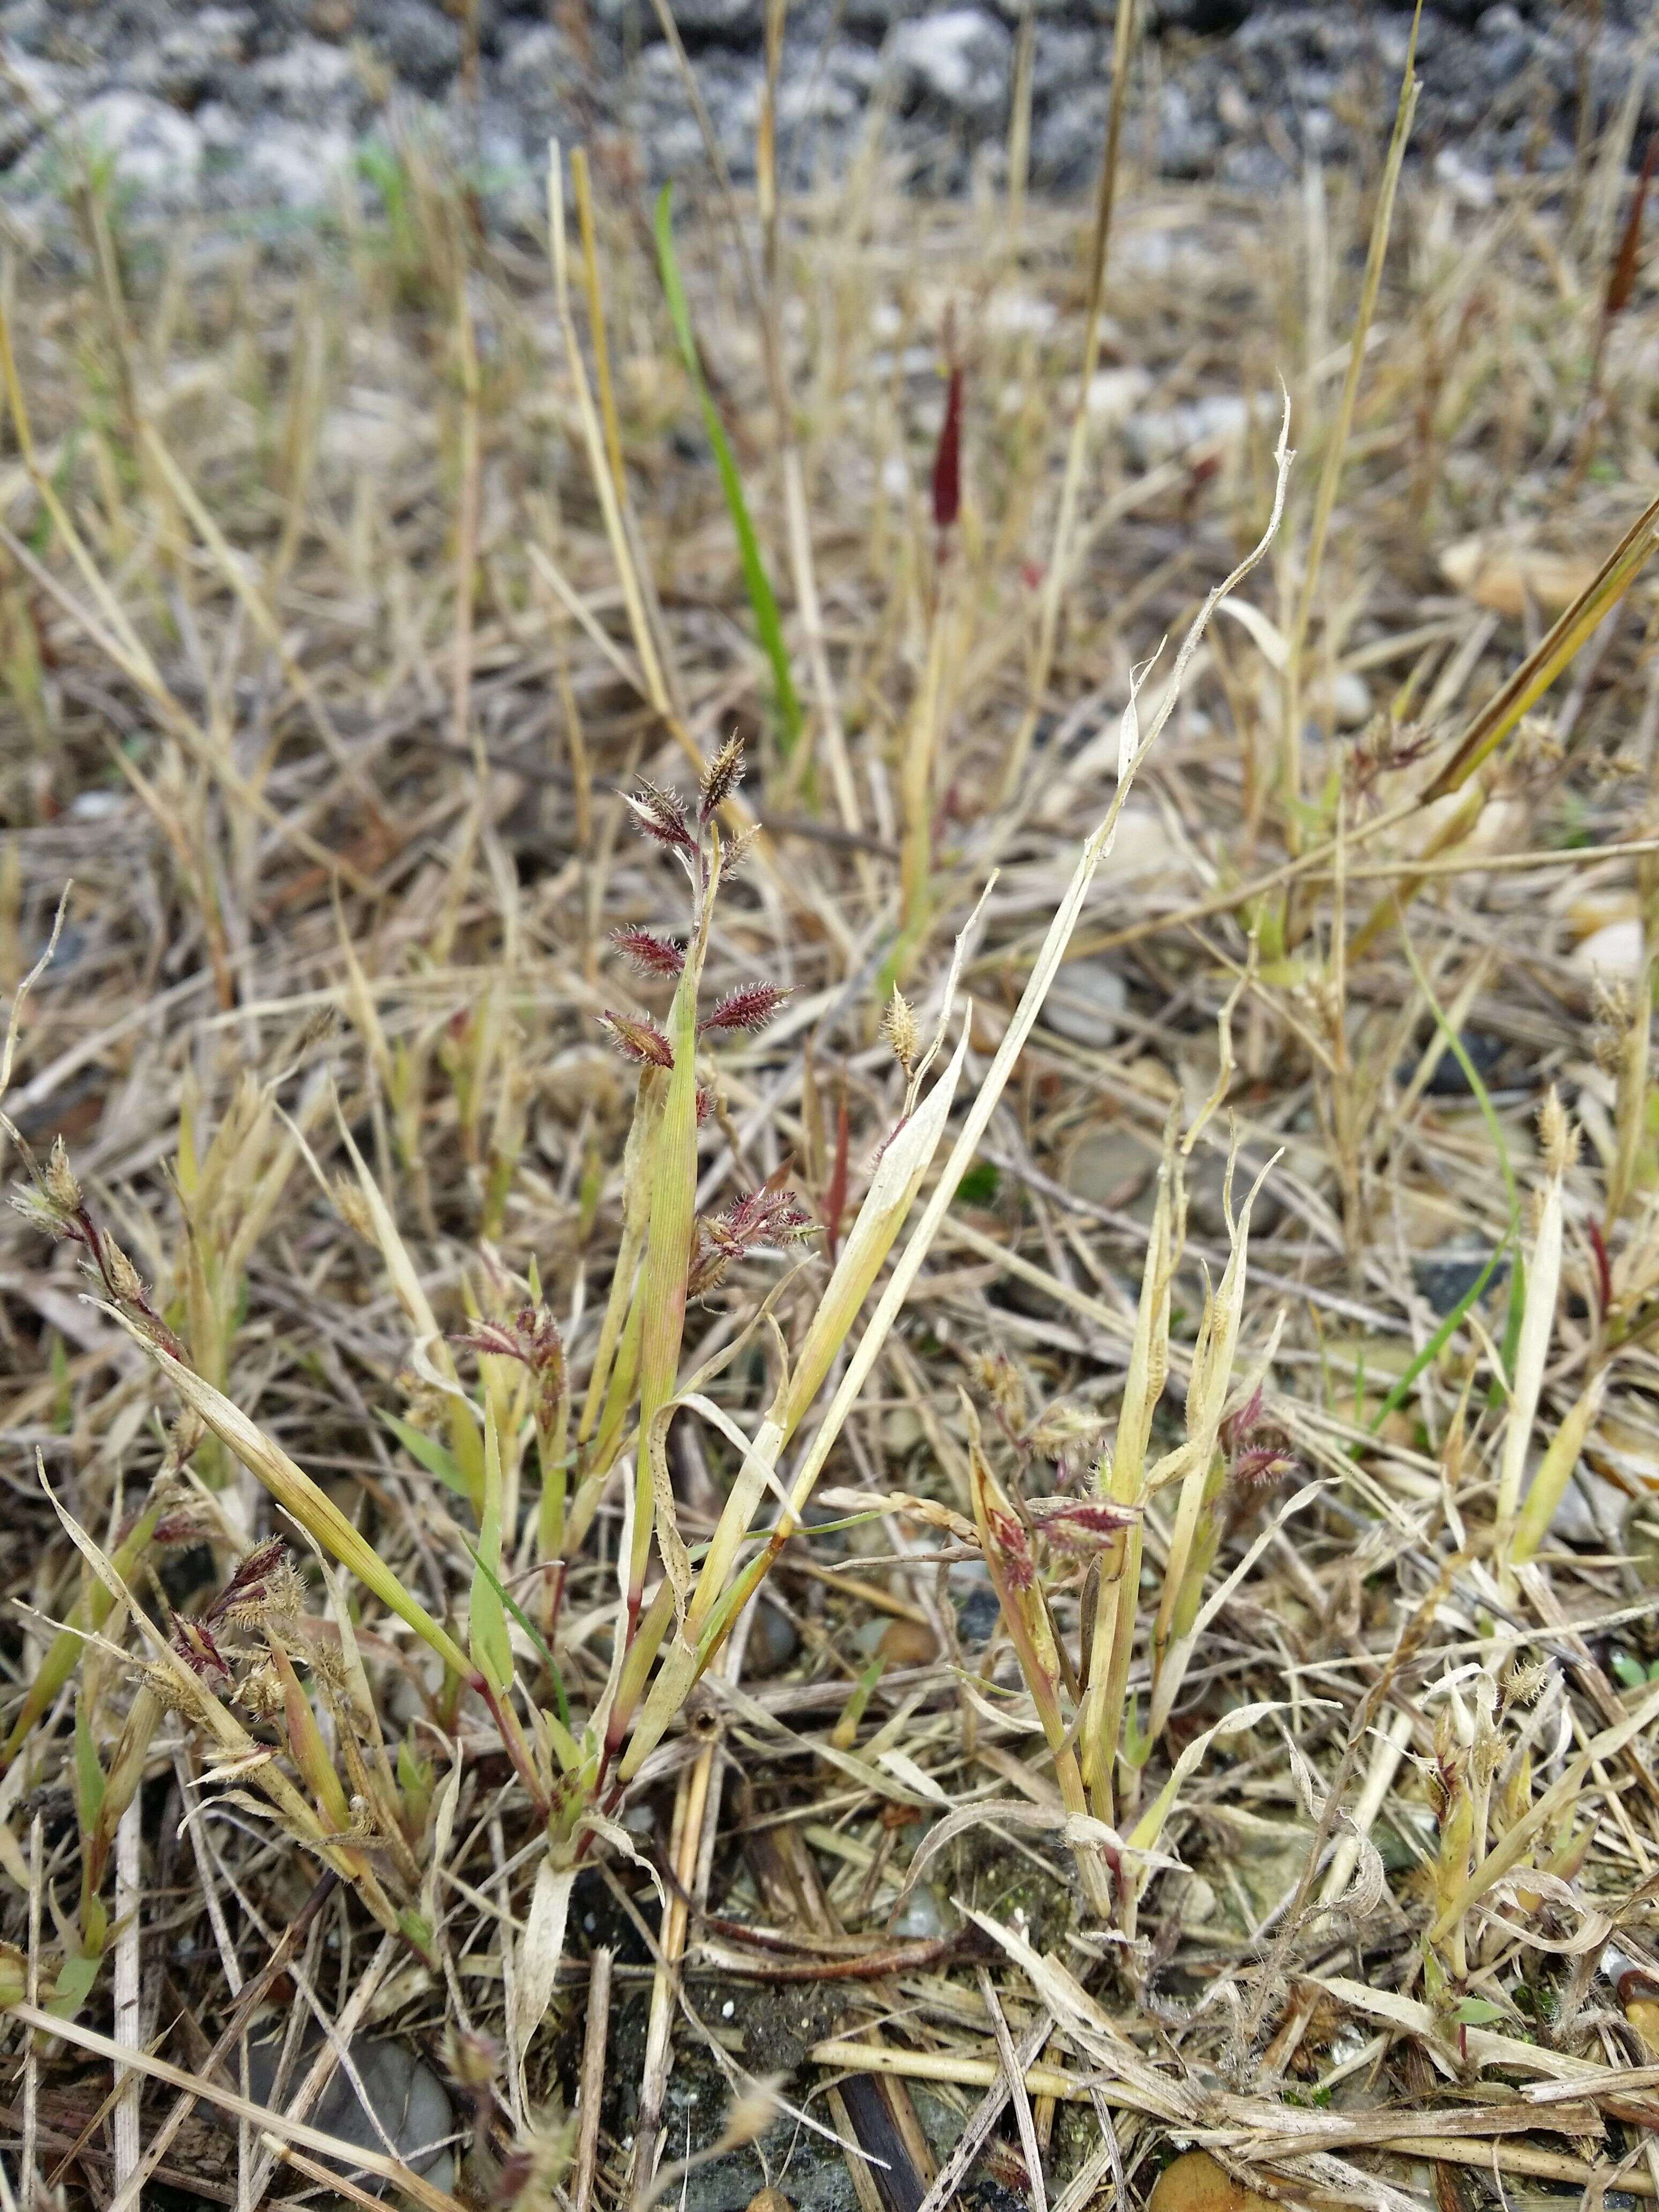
(773, 1642)
(924, 1916)
(1084, 1000)
(1449, 1080)
(1109, 1166)
(1114, 393)
(906, 1643)
(1444, 1277)
(405, 2095)
(977, 1615)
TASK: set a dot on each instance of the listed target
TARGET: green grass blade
(761, 596)
(482, 1567)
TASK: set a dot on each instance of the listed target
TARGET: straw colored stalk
(1113, 1640)
(1192, 1463)
(1537, 1326)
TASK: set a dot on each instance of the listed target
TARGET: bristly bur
(658, 814)
(1080, 1524)
(751, 1006)
(650, 954)
(1258, 1452)
(1007, 1545)
(765, 1217)
(719, 780)
(640, 1041)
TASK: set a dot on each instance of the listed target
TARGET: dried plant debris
(847, 1457)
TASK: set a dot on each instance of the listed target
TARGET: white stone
(308, 73)
(923, 1918)
(1114, 393)
(97, 805)
(1351, 700)
(1141, 845)
(1218, 417)
(152, 145)
(1472, 186)
(961, 58)
(1021, 315)
(1616, 949)
(295, 167)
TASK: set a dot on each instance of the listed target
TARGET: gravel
(258, 110)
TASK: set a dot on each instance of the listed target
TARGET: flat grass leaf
(74, 1985)
(437, 1459)
(89, 1774)
(1478, 2012)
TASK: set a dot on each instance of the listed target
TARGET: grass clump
(865, 1393)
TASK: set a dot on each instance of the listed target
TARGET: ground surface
(340, 615)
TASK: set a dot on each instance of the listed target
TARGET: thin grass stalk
(1330, 474)
(917, 770)
(1113, 1640)
(1006, 1550)
(1631, 1091)
(1556, 1471)
(121, 645)
(89, 1614)
(1123, 31)
(1488, 728)
(670, 1234)
(582, 185)
(1537, 1326)
(1194, 1462)
(885, 1208)
(1019, 123)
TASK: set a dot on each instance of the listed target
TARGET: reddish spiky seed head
(492, 1337)
(1260, 1464)
(1013, 1549)
(1257, 1452)
(265, 1585)
(751, 1006)
(658, 814)
(1080, 1524)
(1237, 1426)
(720, 779)
(194, 1644)
(705, 1105)
(539, 1333)
(947, 458)
(642, 1041)
(650, 954)
(764, 1216)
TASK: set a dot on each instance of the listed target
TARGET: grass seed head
(650, 954)
(719, 780)
(900, 1027)
(1556, 1134)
